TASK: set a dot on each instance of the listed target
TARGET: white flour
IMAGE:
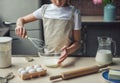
(51, 62)
(5, 52)
(5, 59)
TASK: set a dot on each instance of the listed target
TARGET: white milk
(5, 52)
(104, 57)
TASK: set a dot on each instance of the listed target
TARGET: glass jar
(5, 51)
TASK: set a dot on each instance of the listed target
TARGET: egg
(31, 71)
(39, 69)
(20, 69)
(36, 66)
(23, 72)
(28, 68)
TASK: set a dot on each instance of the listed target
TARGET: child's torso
(57, 32)
(53, 11)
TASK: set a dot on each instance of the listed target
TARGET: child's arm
(67, 50)
(20, 30)
(76, 44)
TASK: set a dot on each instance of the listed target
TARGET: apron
(57, 33)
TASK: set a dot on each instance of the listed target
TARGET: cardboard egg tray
(32, 75)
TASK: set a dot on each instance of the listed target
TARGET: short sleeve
(38, 12)
(77, 20)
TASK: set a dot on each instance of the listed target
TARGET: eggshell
(31, 71)
(23, 72)
(28, 68)
(39, 69)
(36, 66)
(20, 69)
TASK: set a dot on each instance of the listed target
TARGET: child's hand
(63, 55)
(20, 31)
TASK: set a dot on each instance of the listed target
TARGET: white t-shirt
(54, 12)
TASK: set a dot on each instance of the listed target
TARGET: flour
(51, 62)
(49, 59)
(5, 59)
(5, 52)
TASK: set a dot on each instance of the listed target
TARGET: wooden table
(69, 64)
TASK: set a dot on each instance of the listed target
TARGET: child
(61, 23)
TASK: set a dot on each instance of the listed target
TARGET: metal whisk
(38, 43)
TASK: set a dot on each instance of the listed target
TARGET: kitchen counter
(98, 19)
(69, 64)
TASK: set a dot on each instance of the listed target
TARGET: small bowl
(49, 59)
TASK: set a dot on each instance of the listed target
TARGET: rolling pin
(78, 72)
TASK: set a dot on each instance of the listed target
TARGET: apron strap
(73, 10)
(43, 10)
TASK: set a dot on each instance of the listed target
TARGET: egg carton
(30, 72)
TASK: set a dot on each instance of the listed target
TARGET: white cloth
(55, 12)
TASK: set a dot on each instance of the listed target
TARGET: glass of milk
(104, 53)
(104, 57)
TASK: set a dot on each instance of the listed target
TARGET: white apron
(57, 33)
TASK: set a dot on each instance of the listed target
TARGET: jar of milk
(104, 54)
(5, 52)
